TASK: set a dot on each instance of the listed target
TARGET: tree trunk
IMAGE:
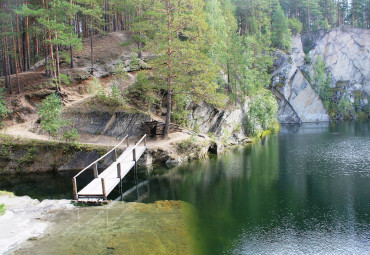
(92, 54)
(236, 92)
(71, 47)
(28, 44)
(166, 130)
(15, 53)
(7, 75)
(19, 52)
(57, 68)
(91, 45)
(228, 78)
(309, 16)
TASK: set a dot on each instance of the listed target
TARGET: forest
(197, 43)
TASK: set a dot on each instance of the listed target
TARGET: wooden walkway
(103, 183)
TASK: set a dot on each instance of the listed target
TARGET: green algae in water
(119, 228)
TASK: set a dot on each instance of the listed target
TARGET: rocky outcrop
(227, 123)
(297, 101)
(346, 52)
(116, 124)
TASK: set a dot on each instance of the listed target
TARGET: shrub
(113, 98)
(262, 112)
(187, 145)
(3, 110)
(143, 91)
(2, 209)
(50, 114)
(71, 135)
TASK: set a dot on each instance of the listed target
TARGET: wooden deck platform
(104, 183)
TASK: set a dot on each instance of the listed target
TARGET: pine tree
(181, 41)
(281, 35)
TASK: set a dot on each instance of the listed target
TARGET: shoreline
(26, 219)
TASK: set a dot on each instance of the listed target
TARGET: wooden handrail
(96, 161)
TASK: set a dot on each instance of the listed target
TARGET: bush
(2, 209)
(262, 113)
(50, 114)
(187, 145)
(3, 110)
(143, 92)
(71, 135)
(113, 98)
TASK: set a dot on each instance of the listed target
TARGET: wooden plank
(94, 187)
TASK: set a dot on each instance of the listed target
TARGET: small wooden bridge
(104, 183)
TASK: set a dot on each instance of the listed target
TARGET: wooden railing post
(115, 155)
(74, 188)
(119, 171)
(95, 169)
(103, 187)
(134, 154)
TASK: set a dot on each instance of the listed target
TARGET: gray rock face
(116, 124)
(346, 52)
(298, 102)
(221, 123)
(297, 51)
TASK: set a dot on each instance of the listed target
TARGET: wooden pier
(104, 183)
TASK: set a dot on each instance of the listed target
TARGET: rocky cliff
(297, 101)
(346, 53)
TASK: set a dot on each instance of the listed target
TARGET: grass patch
(2, 209)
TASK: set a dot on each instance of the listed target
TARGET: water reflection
(302, 191)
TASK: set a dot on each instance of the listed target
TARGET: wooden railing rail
(106, 154)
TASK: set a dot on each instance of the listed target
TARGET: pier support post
(104, 190)
(75, 188)
(95, 169)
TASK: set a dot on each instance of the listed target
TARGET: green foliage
(3, 109)
(322, 81)
(111, 98)
(324, 24)
(134, 62)
(262, 113)
(295, 26)
(71, 135)
(345, 107)
(50, 114)
(143, 92)
(281, 35)
(187, 145)
(65, 79)
(2, 209)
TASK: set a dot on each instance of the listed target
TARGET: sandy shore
(25, 218)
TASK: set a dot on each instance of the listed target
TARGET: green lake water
(305, 190)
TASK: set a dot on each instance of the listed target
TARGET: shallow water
(302, 191)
